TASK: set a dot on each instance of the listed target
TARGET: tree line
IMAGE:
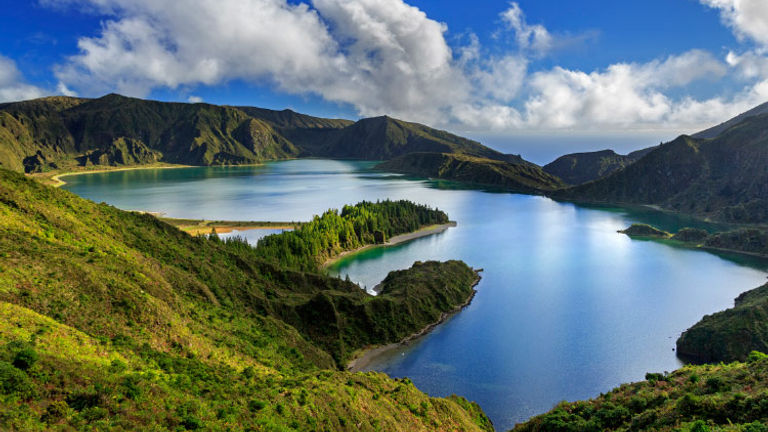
(334, 232)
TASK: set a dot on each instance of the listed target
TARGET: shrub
(14, 381)
(55, 411)
(755, 426)
(699, 426)
(715, 384)
(22, 355)
(755, 356)
(653, 377)
(191, 422)
(256, 405)
(82, 400)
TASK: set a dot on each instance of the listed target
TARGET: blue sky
(523, 75)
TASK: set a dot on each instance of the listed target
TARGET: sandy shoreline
(202, 226)
(398, 239)
(58, 182)
(365, 356)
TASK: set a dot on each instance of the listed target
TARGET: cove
(567, 307)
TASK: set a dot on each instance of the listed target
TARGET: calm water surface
(567, 307)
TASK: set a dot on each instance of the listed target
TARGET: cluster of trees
(355, 226)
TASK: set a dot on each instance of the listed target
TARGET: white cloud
(194, 99)
(629, 95)
(12, 85)
(535, 37)
(387, 57)
(747, 18)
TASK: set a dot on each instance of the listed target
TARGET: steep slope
(579, 168)
(732, 397)
(522, 177)
(115, 130)
(115, 320)
(384, 138)
(722, 127)
(61, 132)
(725, 178)
(732, 334)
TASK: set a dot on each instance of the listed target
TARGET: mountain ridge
(52, 133)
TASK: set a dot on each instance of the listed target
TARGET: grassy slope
(138, 325)
(519, 177)
(721, 397)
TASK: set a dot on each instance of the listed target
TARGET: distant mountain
(724, 178)
(519, 176)
(578, 168)
(722, 127)
(116, 130)
(50, 133)
(384, 138)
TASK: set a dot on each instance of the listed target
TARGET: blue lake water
(567, 307)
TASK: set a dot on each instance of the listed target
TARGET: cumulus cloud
(624, 94)
(747, 18)
(387, 57)
(535, 37)
(12, 85)
(194, 99)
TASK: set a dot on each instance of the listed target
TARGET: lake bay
(567, 307)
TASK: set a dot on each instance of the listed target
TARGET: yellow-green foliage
(112, 320)
(732, 397)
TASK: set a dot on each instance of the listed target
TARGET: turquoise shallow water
(567, 307)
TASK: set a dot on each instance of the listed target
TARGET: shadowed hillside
(516, 176)
(578, 168)
(724, 178)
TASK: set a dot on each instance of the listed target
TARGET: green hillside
(61, 133)
(522, 177)
(709, 398)
(384, 138)
(114, 320)
(731, 334)
(723, 178)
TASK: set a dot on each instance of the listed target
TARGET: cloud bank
(387, 57)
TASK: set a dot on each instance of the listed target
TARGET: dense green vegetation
(750, 241)
(731, 334)
(410, 300)
(326, 236)
(114, 320)
(579, 168)
(722, 178)
(513, 174)
(62, 133)
(731, 397)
